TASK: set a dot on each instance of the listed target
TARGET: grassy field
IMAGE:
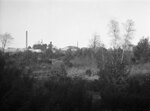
(140, 69)
(79, 69)
(81, 72)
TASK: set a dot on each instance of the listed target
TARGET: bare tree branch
(129, 30)
(5, 39)
(95, 42)
(114, 32)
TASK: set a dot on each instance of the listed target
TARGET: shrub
(88, 72)
(58, 71)
(15, 87)
(63, 95)
(142, 51)
(121, 91)
(113, 81)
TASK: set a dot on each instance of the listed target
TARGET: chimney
(26, 39)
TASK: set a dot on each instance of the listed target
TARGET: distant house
(72, 48)
(12, 50)
(36, 50)
(15, 50)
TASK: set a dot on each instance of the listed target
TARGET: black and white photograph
(74, 55)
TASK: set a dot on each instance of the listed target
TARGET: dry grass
(140, 69)
(81, 65)
(83, 61)
(81, 72)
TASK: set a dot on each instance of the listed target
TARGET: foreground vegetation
(54, 80)
(116, 89)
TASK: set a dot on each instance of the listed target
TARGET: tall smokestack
(26, 39)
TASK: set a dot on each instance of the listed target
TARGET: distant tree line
(142, 51)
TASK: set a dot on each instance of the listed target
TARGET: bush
(115, 89)
(88, 72)
(63, 95)
(113, 81)
(20, 92)
(119, 91)
(15, 87)
(142, 51)
(58, 71)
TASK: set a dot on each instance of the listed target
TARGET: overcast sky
(64, 22)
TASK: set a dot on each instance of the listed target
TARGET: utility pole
(26, 39)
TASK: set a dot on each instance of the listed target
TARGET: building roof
(72, 48)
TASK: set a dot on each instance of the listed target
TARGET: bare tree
(98, 46)
(5, 39)
(95, 42)
(129, 30)
(114, 32)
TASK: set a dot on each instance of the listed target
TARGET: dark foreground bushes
(62, 95)
(20, 92)
(121, 91)
(118, 89)
(15, 87)
(132, 95)
(115, 90)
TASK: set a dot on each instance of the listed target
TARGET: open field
(81, 72)
(79, 68)
(82, 67)
(44, 70)
(140, 69)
